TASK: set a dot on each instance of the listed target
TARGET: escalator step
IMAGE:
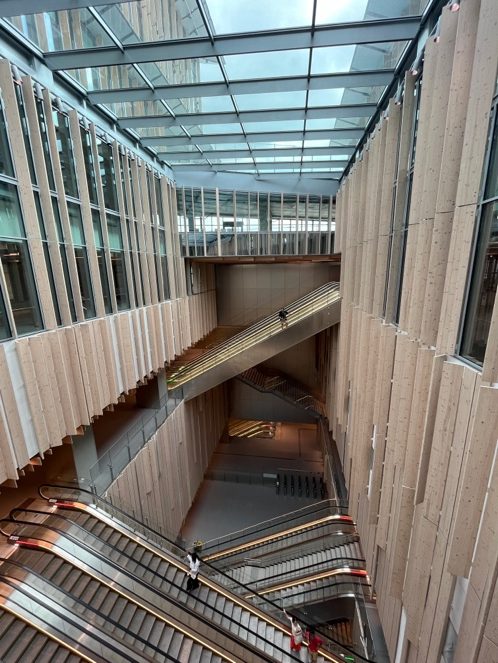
(6, 620)
(15, 632)
(47, 654)
(166, 636)
(185, 651)
(27, 649)
(176, 644)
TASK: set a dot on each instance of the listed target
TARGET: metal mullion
(12, 7)
(266, 115)
(6, 299)
(362, 32)
(218, 233)
(203, 221)
(242, 153)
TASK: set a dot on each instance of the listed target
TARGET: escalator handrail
(86, 605)
(185, 607)
(336, 561)
(96, 635)
(273, 522)
(171, 543)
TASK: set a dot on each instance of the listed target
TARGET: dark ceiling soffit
(270, 115)
(259, 137)
(262, 85)
(24, 7)
(341, 34)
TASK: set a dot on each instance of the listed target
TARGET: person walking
(296, 633)
(194, 564)
(282, 316)
(314, 643)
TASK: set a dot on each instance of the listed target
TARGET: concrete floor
(222, 507)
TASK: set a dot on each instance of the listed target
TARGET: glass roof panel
(277, 145)
(224, 146)
(232, 160)
(278, 125)
(62, 30)
(330, 59)
(203, 104)
(359, 10)
(141, 21)
(263, 65)
(107, 78)
(333, 123)
(232, 16)
(138, 108)
(154, 132)
(271, 100)
(208, 129)
(182, 72)
(363, 95)
(164, 149)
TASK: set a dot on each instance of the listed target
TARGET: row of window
(483, 276)
(66, 249)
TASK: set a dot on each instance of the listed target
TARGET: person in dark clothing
(194, 564)
(282, 316)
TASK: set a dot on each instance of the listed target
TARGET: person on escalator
(282, 316)
(314, 643)
(296, 633)
(194, 564)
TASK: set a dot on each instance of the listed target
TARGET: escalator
(307, 316)
(154, 565)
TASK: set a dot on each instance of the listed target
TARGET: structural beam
(353, 79)
(260, 137)
(264, 167)
(16, 8)
(239, 154)
(271, 115)
(341, 34)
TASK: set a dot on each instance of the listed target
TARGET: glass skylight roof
(267, 83)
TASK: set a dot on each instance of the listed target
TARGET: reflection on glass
(119, 277)
(45, 143)
(99, 245)
(25, 131)
(81, 256)
(48, 258)
(343, 12)
(483, 287)
(4, 323)
(86, 141)
(340, 59)
(65, 149)
(62, 30)
(247, 102)
(108, 174)
(11, 224)
(229, 17)
(21, 288)
(491, 190)
(6, 166)
(267, 65)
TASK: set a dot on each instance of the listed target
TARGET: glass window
(5, 331)
(65, 149)
(48, 260)
(6, 166)
(11, 224)
(45, 143)
(81, 256)
(484, 277)
(108, 174)
(99, 245)
(25, 132)
(118, 262)
(20, 283)
(86, 141)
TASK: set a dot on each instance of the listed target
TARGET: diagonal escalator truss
(307, 316)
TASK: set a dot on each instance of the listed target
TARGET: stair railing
(262, 330)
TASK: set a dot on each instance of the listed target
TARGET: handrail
(166, 618)
(334, 643)
(271, 320)
(88, 606)
(265, 328)
(276, 520)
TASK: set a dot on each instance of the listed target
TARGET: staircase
(114, 590)
(268, 381)
(308, 315)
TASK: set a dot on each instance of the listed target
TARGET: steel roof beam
(262, 85)
(281, 165)
(260, 137)
(339, 34)
(16, 8)
(236, 154)
(270, 115)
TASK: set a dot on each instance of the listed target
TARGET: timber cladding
(416, 426)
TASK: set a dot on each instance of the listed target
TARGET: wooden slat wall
(426, 496)
(160, 483)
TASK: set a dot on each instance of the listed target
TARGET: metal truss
(270, 115)
(354, 79)
(342, 34)
(240, 154)
(17, 8)
(260, 137)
